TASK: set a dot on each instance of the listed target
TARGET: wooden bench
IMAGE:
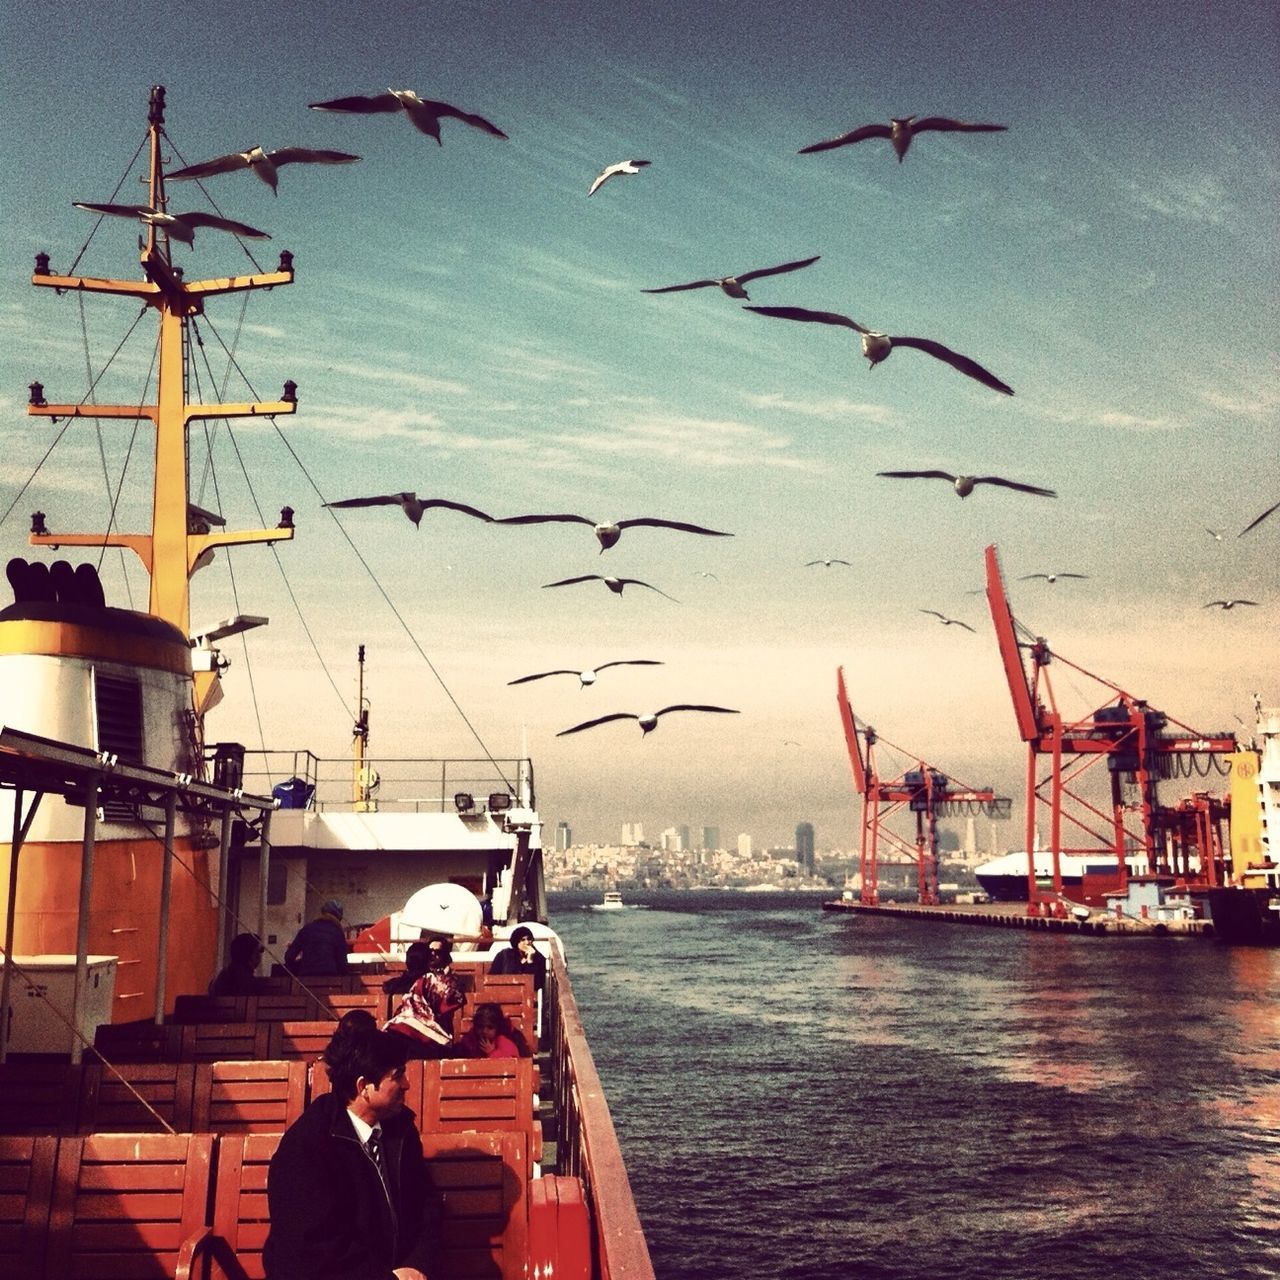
(476, 1094)
(559, 1228)
(137, 1097)
(248, 1097)
(298, 1040)
(26, 1197)
(276, 1007)
(39, 1097)
(127, 1206)
(224, 1041)
(137, 1042)
(513, 993)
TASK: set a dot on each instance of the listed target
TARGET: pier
(1006, 915)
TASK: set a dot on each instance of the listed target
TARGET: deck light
(464, 802)
(499, 802)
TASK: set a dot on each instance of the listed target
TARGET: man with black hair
(348, 1193)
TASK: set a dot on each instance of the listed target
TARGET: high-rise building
(804, 847)
(744, 845)
(564, 837)
(685, 842)
(711, 838)
(632, 833)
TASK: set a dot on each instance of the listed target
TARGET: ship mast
(362, 784)
(177, 538)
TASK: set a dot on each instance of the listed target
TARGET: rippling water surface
(809, 1094)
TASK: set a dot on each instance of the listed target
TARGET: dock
(1013, 915)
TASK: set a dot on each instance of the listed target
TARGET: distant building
(686, 843)
(711, 838)
(804, 847)
(671, 840)
(744, 845)
(564, 837)
(632, 833)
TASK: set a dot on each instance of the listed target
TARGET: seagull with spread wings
(623, 166)
(733, 285)
(609, 531)
(413, 506)
(589, 675)
(1050, 577)
(424, 114)
(964, 485)
(900, 130)
(180, 226)
(948, 622)
(826, 562)
(1228, 604)
(877, 346)
(1253, 524)
(260, 162)
(647, 722)
(614, 584)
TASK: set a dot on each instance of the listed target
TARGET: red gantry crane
(922, 790)
(1130, 738)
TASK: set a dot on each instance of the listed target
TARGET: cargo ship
(137, 848)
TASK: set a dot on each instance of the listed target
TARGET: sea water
(813, 1094)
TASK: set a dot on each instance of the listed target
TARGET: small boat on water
(612, 901)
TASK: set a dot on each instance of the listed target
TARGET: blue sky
(467, 324)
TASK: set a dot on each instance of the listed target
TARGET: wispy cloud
(1096, 416)
(384, 376)
(1255, 404)
(833, 408)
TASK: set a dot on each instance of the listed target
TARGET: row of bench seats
(446, 1096)
(135, 1206)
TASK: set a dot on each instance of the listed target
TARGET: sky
(466, 323)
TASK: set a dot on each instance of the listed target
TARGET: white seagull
(948, 622)
(826, 562)
(877, 346)
(732, 285)
(424, 113)
(589, 675)
(413, 506)
(1255, 523)
(180, 226)
(1215, 534)
(263, 163)
(647, 722)
(900, 130)
(623, 166)
(964, 485)
(609, 531)
(1050, 577)
(1228, 604)
(614, 584)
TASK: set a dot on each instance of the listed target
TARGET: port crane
(922, 790)
(1136, 744)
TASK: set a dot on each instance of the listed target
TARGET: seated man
(348, 1192)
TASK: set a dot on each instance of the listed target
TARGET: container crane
(923, 790)
(1139, 749)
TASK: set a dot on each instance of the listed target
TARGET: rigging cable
(124, 177)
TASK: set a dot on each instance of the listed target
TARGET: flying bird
(623, 166)
(1255, 523)
(733, 285)
(702, 573)
(589, 675)
(948, 622)
(609, 531)
(614, 584)
(180, 226)
(263, 163)
(826, 562)
(900, 130)
(424, 113)
(647, 722)
(1215, 534)
(964, 485)
(1050, 577)
(1228, 604)
(413, 506)
(877, 346)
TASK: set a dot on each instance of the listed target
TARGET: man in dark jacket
(347, 1192)
(320, 946)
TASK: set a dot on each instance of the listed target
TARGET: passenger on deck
(237, 977)
(425, 1012)
(320, 946)
(491, 1036)
(348, 1193)
(522, 957)
(415, 965)
(352, 1024)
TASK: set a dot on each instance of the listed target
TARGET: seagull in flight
(609, 531)
(826, 562)
(424, 113)
(614, 584)
(900, 130)
(702, 573)
(948, 622)
(1255, 523)
(647, 722)
(623, 166)
(964, 485)
(1050, 577)
(1228, 604)
(179, 226)
(413, 506)
(877, 346)
(733, 285)
(263, 163)
(589, 675)
(1215, 534)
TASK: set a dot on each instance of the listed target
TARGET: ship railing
(389, 784)
(586, 1142)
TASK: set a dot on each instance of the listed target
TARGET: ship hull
(1244, 916)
